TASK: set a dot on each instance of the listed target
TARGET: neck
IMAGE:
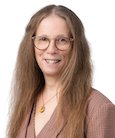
(49, 94)
(51, 85)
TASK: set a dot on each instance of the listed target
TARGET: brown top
(100, 121)
(49, 127)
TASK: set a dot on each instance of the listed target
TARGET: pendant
(42, 109)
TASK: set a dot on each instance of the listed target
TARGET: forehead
(53, 25)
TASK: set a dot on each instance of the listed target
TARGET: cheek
(38, 52)
(66, 59)
(66, 55)
(38, 55)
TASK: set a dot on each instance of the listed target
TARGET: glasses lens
(41, 42)
(62, 43)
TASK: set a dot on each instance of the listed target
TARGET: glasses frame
(49, 40)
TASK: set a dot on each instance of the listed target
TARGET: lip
(52, 61)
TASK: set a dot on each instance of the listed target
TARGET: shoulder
(97, 101)
(100, 116)
(96, 98)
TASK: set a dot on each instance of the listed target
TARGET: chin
(51, 73)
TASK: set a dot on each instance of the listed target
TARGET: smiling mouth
(52, 61)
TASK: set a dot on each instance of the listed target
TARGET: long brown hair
(75, 80)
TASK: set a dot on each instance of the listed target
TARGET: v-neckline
(48, 123)
(50, 129)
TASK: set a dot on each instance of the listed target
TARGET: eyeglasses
(61, 42)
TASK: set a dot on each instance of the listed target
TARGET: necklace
(42, 107)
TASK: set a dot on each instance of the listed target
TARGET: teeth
(52, 61)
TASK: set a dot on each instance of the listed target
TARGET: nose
(52, 48)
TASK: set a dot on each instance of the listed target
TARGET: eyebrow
(59, 35)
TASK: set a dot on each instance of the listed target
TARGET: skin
(51, 61)
(51, 27)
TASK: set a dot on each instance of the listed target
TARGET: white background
(99, 21)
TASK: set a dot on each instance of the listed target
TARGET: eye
(42, 38)
(62, 40)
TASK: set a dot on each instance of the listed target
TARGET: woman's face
(51, 60)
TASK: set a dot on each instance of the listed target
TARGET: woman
(53, 95)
